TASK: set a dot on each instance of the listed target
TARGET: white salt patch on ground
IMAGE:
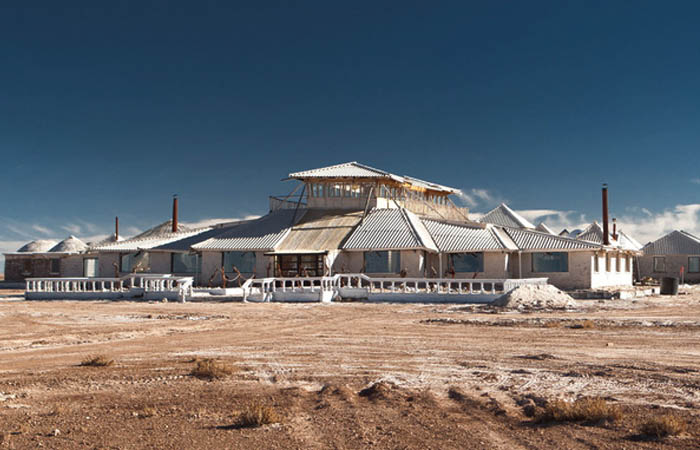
(532, 296)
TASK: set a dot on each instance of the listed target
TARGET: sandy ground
(311, 361)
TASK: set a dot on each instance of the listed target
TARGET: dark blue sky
(110, 109)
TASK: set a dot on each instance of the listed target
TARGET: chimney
(116, 228)
(606, 232)
(614, 229)
(175, 213)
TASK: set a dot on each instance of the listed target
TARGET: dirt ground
(344, 375)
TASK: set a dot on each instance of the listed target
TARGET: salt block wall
(578, 276)
(105, 262)
(72, 266)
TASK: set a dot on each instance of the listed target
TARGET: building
(352, 218)
(45, 258)
(676, 254)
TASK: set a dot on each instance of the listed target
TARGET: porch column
(520, 264)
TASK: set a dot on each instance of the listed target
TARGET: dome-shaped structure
(69, 245)
(38, 246)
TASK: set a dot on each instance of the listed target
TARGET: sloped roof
(263, 233)
(157, 236)
(354, 169)
(544, 228)
(528, 240)
(592, 233)
(184, 243)
(451, 237)
(38, 246)
(674, 243)
(69, 245)
(390, 229)
(109, 239)
(504, 216)
(320, 230)
(627, 242)
(351, 169)
(163, 229)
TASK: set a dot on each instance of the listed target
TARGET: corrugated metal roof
(627, 242)
(354, 169)
(674, 243)
(385, 229)
(421, 230)
(320, 230)
(528, 240)
(184, 244)
(260, 234)
(544, 228)
(504, 216)
(351, 169)
(592, 233)
(461, 238)
(148, 242)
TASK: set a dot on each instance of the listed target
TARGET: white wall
(613, 277)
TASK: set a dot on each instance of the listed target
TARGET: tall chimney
(614, 229)
(116, 228)
(175, 213)
(606, 233)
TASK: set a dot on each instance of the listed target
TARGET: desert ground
(346, 375)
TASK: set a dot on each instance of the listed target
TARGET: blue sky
(110, 109)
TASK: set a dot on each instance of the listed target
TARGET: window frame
(480, 261)
(393, 258)
(254, 262)
(654, 265)
(532, 262)
(696, 258)
(197, 265)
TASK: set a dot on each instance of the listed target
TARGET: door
(90, 267)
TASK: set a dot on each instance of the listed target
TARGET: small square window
(693, 264)
(659, 264)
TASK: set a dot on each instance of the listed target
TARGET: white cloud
(479, 197)
(72, 228)
(640, 223)
(40, 229)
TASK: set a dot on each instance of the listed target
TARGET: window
(185, 263)
(383, 262)
(55, 267)
(596, 263)
(607, 262)
(335, 190)
(617, 262)
(243, 261)
(693, 264)
(134, 262)
(628, 264)
(550, 262)
(467, 262)
(659, 264)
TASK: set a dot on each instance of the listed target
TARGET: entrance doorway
(299, 265)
